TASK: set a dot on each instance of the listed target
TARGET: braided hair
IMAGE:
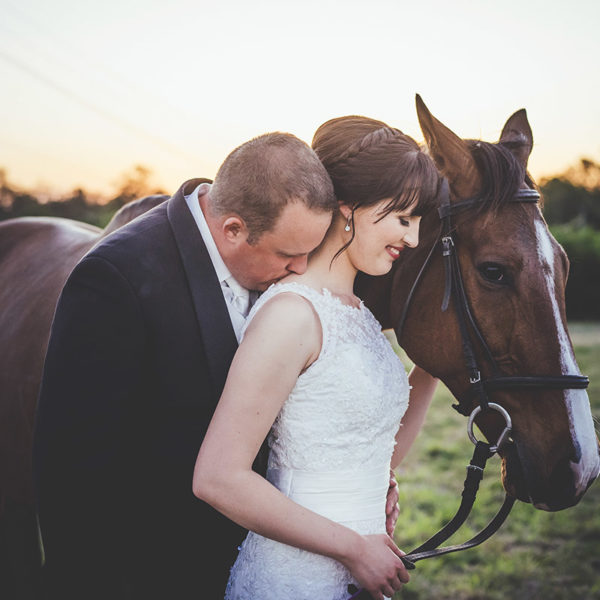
(369, 161)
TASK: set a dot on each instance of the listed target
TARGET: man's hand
(391, 506)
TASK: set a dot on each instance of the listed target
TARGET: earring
(347, 228)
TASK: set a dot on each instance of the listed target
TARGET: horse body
(37, 254)
(36, 257)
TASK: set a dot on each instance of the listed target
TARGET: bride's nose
(411, 237)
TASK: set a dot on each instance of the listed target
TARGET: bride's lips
(394, 251)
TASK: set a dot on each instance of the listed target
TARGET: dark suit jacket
(139, 352)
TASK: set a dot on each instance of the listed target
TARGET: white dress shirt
(236, 297)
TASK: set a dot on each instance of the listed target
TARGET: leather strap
(430, 548)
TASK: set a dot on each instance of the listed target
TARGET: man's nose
(298, 264)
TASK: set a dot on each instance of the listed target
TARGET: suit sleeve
(91, 393)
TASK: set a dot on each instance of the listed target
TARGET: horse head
(514, 275)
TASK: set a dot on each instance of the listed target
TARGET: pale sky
(92, 88)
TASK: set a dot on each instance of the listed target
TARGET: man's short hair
(261, 176)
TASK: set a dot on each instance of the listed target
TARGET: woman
(315, 373)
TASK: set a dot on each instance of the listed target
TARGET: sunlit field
(536, 554)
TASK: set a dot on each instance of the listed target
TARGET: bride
(316, 375)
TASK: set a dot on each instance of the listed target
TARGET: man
(142, 339)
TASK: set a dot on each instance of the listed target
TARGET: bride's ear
(345, 210)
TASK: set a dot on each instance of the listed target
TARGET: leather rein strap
(454, 289)
(430, 548)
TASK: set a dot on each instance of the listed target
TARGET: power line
(134, 129)
(61, 51)
(85, 60)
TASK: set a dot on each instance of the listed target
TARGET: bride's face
(378, 241)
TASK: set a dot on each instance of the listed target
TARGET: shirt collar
(193, 203)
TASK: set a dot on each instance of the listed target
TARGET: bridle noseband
(455, 290)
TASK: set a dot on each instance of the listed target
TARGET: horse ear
(450, 153)
(517, 136)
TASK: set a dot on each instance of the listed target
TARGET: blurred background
(105, 102)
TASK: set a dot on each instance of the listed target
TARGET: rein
(454, 290)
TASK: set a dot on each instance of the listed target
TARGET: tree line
(571, 206)
(79, 204)
(572, 210)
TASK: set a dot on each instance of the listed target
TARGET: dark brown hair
(261, 176)
(368, 161)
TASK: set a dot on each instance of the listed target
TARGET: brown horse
(36, 256)
(514, 275)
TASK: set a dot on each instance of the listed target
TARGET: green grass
(536, 555)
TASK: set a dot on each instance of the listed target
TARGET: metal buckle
(474, 468)
(475, 379)
(503, 436)
(448, 244)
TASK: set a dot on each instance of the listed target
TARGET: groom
(142, 339)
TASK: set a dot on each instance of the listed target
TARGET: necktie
(238, 296)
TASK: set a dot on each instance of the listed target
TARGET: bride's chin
(377, 270)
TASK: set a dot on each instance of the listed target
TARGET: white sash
(341, 496)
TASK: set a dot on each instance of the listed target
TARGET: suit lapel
(216, 330)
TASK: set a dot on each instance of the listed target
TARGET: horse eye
(493, 272)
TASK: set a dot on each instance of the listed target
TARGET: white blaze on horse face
(577, 402)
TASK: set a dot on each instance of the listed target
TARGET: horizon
(91, 90)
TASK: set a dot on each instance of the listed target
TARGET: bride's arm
(423, 386)
(281, 341)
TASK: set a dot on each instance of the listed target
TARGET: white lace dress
(330, 450)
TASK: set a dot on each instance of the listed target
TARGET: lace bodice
(354, 393)
(330, 449)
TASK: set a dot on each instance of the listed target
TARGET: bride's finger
(392, 497)
(397, 583)
(390, 521)
(392, 545)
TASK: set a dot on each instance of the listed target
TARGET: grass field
(536, 555)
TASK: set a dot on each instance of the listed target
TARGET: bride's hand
(376, 565)
(391, 505)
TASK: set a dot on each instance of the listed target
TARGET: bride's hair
(369, 161)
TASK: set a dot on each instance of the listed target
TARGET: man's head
(269, 206)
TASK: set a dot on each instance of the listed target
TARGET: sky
(89, 89)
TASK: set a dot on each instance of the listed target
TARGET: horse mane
(502, 173)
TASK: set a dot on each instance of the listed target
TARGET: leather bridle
(479, 388)
(455, 290)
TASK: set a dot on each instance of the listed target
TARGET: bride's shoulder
(285, 310)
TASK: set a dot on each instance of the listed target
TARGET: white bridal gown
(330, 450)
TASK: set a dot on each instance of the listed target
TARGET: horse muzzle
(560, 487)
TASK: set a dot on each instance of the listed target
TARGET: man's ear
(234, 229)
